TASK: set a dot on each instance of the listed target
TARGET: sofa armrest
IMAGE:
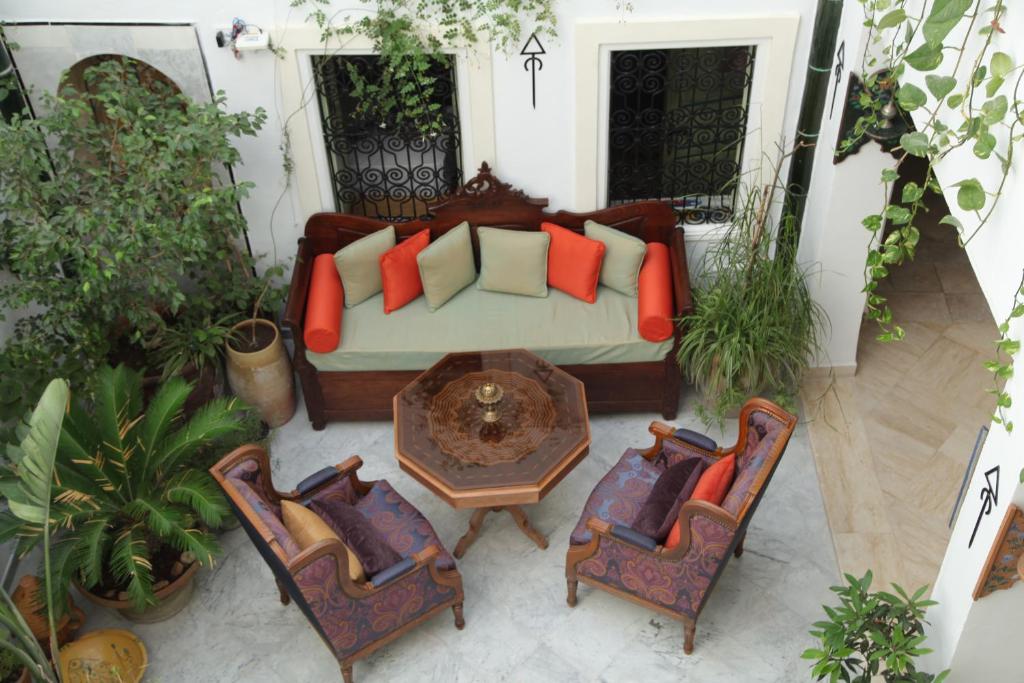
(624, 533)
(663, 432)
(702, 441)
(321, 478)
(683, 298)
(298, 290)
(386, 576)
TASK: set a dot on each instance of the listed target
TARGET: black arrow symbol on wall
(533, 64)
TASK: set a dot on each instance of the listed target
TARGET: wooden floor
(891, 443)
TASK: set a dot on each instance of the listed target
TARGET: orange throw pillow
(399, 273)
(712, 487)
(322, 330)
(574, 262)
(654, 297)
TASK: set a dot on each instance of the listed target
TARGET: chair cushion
(513, 261)
(309, 528)
(358, 534)
(322, 330)
(400, 524)
(446, 266)
(672, 489)
(617, 498)
(359, 265)
(623, 256)
(399, 274)
(712, 487)
(654, 298)
(574, 262)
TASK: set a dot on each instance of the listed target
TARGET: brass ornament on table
(489, 396)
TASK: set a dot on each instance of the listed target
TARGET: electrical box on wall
(252, 41)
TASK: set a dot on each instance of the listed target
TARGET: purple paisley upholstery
(673, 452)
(619, 495)
(679, 585)
(762, 435)
(399, 523)
(340, 490)
(351, 625)
(248, 481)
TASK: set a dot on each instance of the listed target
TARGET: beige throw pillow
(359, 265)
(446, 266)
(308, 529)
(513, 261)
(623, 256)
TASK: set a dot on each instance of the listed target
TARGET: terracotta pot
(110, 655)
(28, 598)
(171, 599)
(263, 377)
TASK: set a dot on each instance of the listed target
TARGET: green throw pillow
(446, 266)
(359, 265)
(623, 256)
(513, 261)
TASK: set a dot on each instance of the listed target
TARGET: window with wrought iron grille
(380, 169)
(677, 121)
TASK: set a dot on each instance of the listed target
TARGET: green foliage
(26, 487)
(128, 485)
(755, 326)
(411, 36)
(871, 634)
(988, 122)
(116, 226)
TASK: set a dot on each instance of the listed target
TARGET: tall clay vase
(261, 374)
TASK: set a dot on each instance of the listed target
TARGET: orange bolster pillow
(654, 299)
(322, 331)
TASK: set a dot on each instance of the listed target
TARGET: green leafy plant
(26, 486)
(755, 326)
(128, 489)
(871, 634)
(971, 100)
(117, 226)
(412, 36)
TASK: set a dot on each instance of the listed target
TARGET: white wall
(534, 149)
(978, 640)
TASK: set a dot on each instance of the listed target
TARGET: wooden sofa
(332, 395)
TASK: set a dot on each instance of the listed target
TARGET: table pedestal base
(477, 521)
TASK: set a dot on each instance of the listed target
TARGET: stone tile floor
(518, 627)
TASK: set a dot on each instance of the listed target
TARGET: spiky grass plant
(754, 327)
(128, 485)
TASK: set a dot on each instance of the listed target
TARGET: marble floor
(892, 442)
(518, 627)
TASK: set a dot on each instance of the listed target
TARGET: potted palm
(131, 501)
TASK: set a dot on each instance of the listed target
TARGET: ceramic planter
(261, 374)
(110, 655)
(171, 599)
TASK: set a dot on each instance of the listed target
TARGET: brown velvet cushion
(358, 533)
(672, 489)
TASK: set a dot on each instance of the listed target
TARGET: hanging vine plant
(411, 36)
(969, 82)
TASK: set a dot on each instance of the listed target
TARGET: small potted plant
(132, 504)
(872, 636)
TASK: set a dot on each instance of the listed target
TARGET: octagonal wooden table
(444, 442)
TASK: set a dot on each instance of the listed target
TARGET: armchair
(605, 553)
(353, 619)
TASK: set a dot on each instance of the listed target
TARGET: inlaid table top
(443, 440)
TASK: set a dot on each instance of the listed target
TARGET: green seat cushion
(446, 266)
(513, 261)
(359, 265)
(623, 256)
(559, 328)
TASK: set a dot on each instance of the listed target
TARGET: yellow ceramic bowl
(106, 656)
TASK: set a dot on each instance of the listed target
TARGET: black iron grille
(676, 127)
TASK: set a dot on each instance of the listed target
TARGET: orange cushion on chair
(654, 298)
(574, 262)
(399, 273)
(712, 487)
(322, 330)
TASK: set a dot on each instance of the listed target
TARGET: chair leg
(571, 597)
(460, 621)
(689, 631)
(346, 672)
(739, 546)
(283, 593)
